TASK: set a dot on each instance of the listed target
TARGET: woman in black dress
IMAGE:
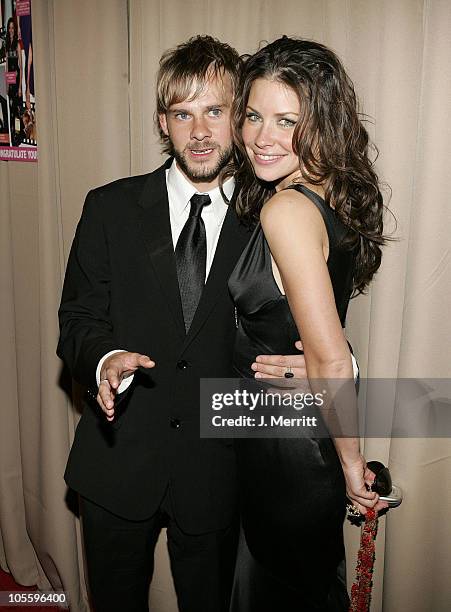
(304, 173)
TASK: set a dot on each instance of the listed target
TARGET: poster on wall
(18, 134)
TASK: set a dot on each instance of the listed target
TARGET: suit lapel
(155, 227)
(156, 230)
(232, 240)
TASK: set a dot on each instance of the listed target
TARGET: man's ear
(163, 123)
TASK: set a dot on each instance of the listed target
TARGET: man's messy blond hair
(186, 69)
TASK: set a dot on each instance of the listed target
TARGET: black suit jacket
(121, 292)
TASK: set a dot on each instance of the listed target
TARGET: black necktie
(191, 258)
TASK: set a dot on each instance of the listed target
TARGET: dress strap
(327, 213)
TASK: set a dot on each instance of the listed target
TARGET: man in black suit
(133, 315)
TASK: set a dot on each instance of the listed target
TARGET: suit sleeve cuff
(355, 367)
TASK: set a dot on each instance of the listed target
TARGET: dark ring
(289, 375)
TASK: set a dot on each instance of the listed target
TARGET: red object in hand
(361, 589)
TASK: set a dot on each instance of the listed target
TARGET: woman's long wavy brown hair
(329, 139)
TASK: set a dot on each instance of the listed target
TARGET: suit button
(182, 364)
(176, 423)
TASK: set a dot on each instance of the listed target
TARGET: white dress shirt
(180, 192)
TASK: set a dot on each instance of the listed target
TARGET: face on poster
(18, 130)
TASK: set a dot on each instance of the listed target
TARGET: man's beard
(203, 174)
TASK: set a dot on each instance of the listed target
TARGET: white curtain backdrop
(95, 79)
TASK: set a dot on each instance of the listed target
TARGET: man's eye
(287, 123)
(252, 117)
(182, 116)
(215, 112)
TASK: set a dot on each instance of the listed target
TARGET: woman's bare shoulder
(290, 207)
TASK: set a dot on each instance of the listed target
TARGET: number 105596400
(34, 598)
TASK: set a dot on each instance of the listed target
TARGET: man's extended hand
(275, 366)
(114, 369)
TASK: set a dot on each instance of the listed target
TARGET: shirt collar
(181, 191)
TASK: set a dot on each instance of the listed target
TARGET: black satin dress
(291, 555)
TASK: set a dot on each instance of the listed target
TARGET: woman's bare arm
(297, 237)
